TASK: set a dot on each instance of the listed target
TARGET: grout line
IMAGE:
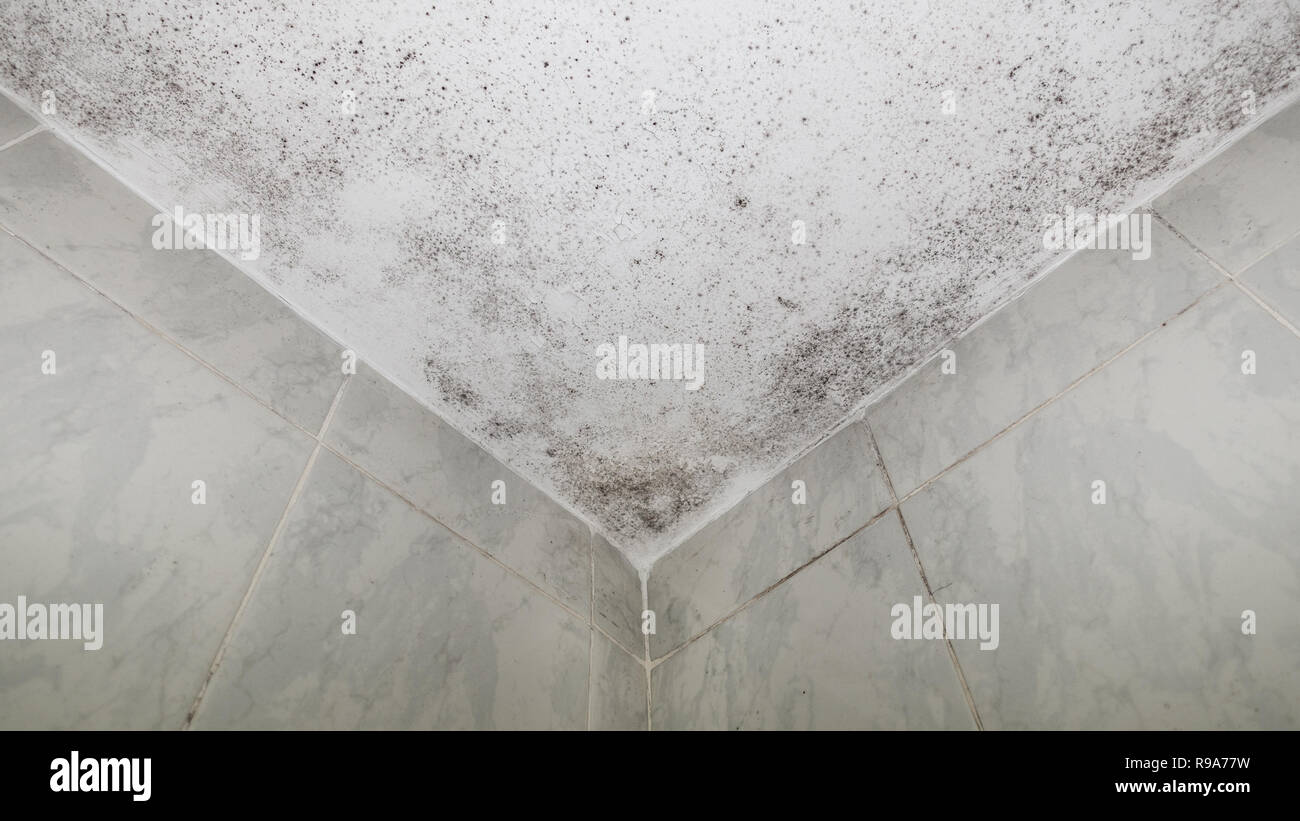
(83, 151)
(316, 436)
(936, 477)
(1096, 369)
(334, 406)
(156, 330)
(647, 662)
(616, 643)
(591, 624)
(69, 139)
(861, 415)
(897, 504)
(1283, 321)
(1268, 253)
(1196, 249)
(645, 659)
(261, 566)
(1214, 263)
(594, 624)
(925, 579)
(30, 133)
(649, 703)
(1234, 135)
(877, 517)
(1235, 279)
(453, 531)
(861, 410)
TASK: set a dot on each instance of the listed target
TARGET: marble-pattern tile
(1276, 279)
(618, 685)
(817, 653)
(444, 637)
(14, 122)
(1128, 614)
(765, 537)
(407, 446)
(1245, 201)
(96, 503)
(617, 587)
(65, 204)
(1067, 323)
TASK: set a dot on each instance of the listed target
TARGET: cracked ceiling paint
(475, 196)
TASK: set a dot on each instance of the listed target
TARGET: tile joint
(261, 564)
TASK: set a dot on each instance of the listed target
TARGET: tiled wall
(328, 492)
(325, 492)
(977, 486)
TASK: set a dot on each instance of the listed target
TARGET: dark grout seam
(1000, 434)
(616, 643)
(925, 580)
(1051, 400)
(1235, 279)
(591, 634)
(262, 563)
(875, 518)
(634, 656)
(897, 503)
(995, 437)
(426, 514)
(75, 145)
(645, 658)
(936, 477)
(647, 662)
(318, 436)
(149, 326)
(591, 649)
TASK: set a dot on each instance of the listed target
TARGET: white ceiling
(646, 163)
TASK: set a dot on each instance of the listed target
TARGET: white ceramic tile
(618, 596)
(445, 637)
(817, 653)
(13, 121)
(96, 503)
(618, 685)
(1067, 323)
(408, 447)
(1276, 279)
(765, 537)
(1128, 614)
(61, 202)
(1245, 201)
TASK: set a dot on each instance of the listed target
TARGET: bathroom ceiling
(477, 196)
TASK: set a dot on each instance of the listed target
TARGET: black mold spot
(498, 428)
(884, 327)
(452, 389)
(900, 306)
(634, 496)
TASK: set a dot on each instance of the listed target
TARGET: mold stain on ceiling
(476, 196)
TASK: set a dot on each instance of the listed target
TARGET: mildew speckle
(477, 201)
(452, 389)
